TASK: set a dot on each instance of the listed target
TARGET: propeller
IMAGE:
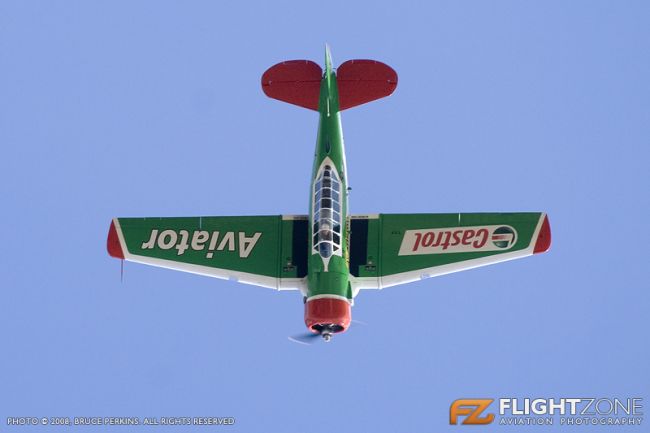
(326, 332)
(306, 338)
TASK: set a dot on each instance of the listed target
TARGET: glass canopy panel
(326, 222)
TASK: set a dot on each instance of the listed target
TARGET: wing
(268, 251)
(391, 249)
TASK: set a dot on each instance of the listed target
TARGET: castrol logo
(457, 240)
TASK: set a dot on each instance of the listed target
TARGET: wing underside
(391, 249)
(385, 250)
(267, 251)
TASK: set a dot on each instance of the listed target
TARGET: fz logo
(472, 410)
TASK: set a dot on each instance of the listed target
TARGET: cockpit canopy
(327, 213)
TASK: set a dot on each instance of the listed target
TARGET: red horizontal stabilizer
(362, 81)
(294, 81)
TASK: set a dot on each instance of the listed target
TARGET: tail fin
(328, 69)
(359, 81)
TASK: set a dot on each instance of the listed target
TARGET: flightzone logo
(547, 411)
(471, 409)
(458, 240)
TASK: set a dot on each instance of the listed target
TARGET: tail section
(328, 69)
(294, 81)
(298, 82)
(362, 81)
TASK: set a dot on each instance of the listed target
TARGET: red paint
(362, 81)
(544, 238)
(113, 243)
(446, 239)
(467, 236)
(428, 239)
(445, 243)
(294, 81)
(484, 233)
(328, 311)
(456, 236)
(417, 241)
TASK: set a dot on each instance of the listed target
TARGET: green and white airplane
(329, 255)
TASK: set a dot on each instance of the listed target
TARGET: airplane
(329, 255)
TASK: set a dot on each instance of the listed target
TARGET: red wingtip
(543, 238)
(113, 243)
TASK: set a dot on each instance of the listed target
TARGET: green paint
(220, 242)
(393, 228)
(329, 144)
(279, 248)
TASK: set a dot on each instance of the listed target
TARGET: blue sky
(155, 109)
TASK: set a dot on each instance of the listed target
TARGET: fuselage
(312, 254)
(329, 296)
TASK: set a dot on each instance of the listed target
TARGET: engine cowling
(332, 314)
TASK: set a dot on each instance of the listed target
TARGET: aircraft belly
(329, 283)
